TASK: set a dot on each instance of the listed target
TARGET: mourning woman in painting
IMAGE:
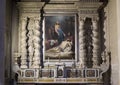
(55, 35)
(59, 32)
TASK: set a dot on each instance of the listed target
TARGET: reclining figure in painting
(64, 50)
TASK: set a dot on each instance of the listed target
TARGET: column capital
(36, 20)
(95, 18)
(23, 18)
(82, 18)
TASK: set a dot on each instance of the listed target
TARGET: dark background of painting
(67, 24)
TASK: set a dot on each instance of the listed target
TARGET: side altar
(60, 42)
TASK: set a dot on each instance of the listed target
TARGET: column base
(81, 65)
(95, 66)
(36, 66)
(23, 66)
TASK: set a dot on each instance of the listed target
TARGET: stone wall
(113, 42)
(2, 27)
(118, 27)
(7, 41)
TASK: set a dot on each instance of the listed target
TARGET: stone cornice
(60, 8)
(34, 7)
(88, 5)
(30, 6)
(89, 8)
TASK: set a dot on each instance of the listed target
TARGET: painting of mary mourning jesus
(59, 37)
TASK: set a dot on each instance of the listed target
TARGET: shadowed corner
(107, 74)
(41, 29)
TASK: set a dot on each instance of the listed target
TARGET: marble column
(23, 43)
(30, 41)
(95, 39)
(36, 57)
(82, 50)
